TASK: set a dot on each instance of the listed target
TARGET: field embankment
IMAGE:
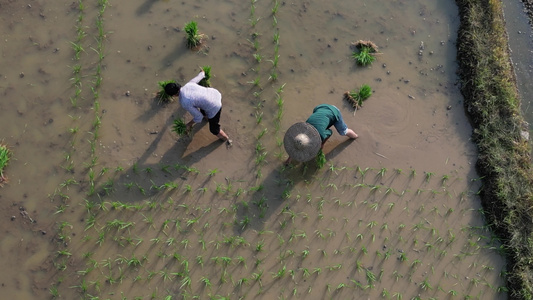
(504, 161)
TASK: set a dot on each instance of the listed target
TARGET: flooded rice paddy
(105, 201)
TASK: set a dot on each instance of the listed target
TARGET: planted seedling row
(283, 252)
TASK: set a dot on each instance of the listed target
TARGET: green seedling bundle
(192, 35)
(5, 155)
(364, 53)
(356, 98)
(179, 127)
(206, 80)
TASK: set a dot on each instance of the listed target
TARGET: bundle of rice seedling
(366, 44)
(356, 98)
(5, 154)
(364, 52)
(205, 81)
(179, 127)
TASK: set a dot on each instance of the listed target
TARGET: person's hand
(189, 128)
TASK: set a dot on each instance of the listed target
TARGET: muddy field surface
(106, 201)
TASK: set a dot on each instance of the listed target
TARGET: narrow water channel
(521, 45)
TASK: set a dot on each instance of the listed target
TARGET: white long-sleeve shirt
(194, 97)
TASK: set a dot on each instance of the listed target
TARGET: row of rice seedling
(206, 251)
(260, 148)
(63, 193)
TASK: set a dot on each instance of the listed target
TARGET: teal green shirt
(323, 117)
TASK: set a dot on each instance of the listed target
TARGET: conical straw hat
(302, 141)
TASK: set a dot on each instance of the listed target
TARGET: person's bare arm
(198, 77)
(351, 134)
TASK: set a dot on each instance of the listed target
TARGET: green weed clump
(356, 98)
(179, 127)
(205, 81)
(162, 96)
(5, 154)
(194, 38)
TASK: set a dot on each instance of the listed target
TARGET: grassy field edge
(504, 162)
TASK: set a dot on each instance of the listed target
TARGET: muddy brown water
(104, 200)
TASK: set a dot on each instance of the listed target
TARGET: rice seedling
(242, 281)
(206, 282)
(244, 222)
(273, 76)
(445, 179)
(403, 256)
(78, 48)
(64, 252)
(254, 42)
(206, 80)
(258, 57)
(258, 117)
(425, 285)
(54, 292)
(356, 98)
(257, 277)
(275, 7)
(429, 175)
(256, 81)
(262, 133)
(194, 38)
(185, 282)
(371, 224)
(212, 172)
(370, 278)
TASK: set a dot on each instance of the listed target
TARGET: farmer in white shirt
(200, 102)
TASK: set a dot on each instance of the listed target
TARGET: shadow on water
(275, 191)
(179, 51)
(155, 107)
(154, 179)
(145, 7)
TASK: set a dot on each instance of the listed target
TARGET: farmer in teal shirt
(303, 140)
